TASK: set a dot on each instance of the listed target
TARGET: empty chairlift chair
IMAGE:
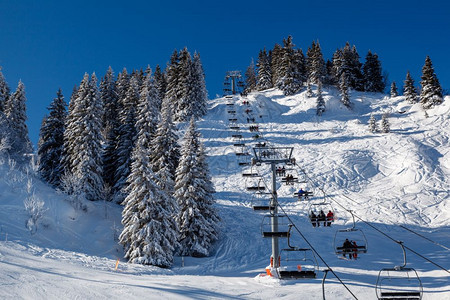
(269, 230)
(256, 186)
(399, 282)
(250, 172)
(262, 202)
(297, 263)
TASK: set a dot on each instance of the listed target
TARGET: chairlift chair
(306, 195)
(252, 172)
(289, 181)
(259, 186)
(399, 282)
(353, 234)
(239, 144)
(267, 230)
(242, 153)
(262, 202)
(316, 208)
(297, 263)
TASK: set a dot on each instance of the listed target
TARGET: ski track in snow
(386, 179)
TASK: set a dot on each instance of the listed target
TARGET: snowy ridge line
(380, 231)
(424, 237)
(315, 251)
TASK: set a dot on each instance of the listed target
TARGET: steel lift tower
(274, 156)
(233, 83)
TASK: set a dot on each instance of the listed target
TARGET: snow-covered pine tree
(346, 60)
(4, 92)
(16, 113)
(373, 127)
(357, 78)
(320, 100)
(292, 68)
(109, 97)
(172, 75)
(329, 77)
(385, 126)
(126, 137)
(250, 78)
(275, 62)
(165, 152)
(344, 90)
(70, 139)
(394, 90)
(51, 141)
(149, 93)
(373, 78)
(197, 94)
(431, 93)
(89, 168)
(150, 231)
(301, 72)
(315, 63)
(264, 77)
(197, 228)
(409, 91)
(160, 84)
(5, 130)
(182, 103)
(309, 92)
(208, 201)
(83, 139)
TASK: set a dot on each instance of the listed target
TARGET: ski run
(391, 181)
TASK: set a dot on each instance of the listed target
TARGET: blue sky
(51, 44)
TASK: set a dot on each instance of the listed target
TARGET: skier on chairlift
(301, 193)
(321, 218)
(330, 217)
(355, 250)
(313, 218)
(347, 248)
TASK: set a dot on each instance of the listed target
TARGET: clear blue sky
(51, 44)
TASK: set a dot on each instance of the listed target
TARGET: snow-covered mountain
(386, 179)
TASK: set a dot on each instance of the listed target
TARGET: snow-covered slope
(398, 178)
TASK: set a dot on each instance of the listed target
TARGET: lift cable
(424, 237)
(373, 227)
